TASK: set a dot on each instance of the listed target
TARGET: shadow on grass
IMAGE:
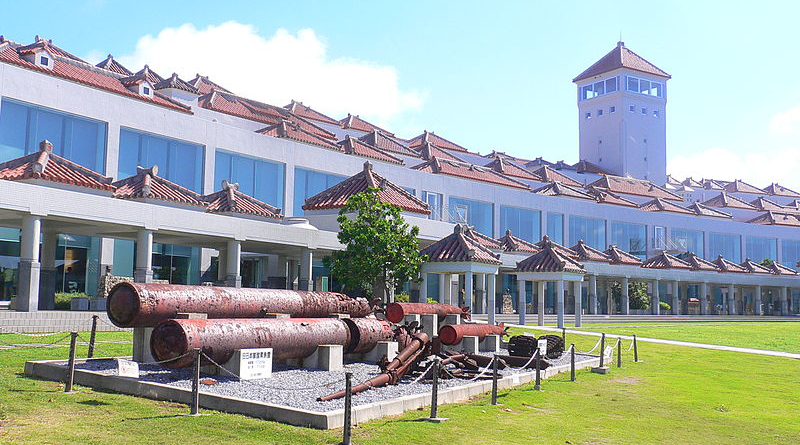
(155, 417)
(35, 390)
(92, 402)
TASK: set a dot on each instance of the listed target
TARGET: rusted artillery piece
(147, 304)
(395, 312)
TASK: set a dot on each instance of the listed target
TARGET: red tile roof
(633, 186)
(619, 256)
(702, 210)
(775, 189)
(380, 140)
(729, 201)
(752, 267)
(336, 196)
(547, 174)
(205, 85)
(354, 146)
(148, 74)
(666, 261)
(777, 218)
(689, 182)
(603, 196)
(231, 200)
(146, 184)
(46, 165)
(621, 57)
(588, 253)
(559, 189)
(431, 137)
(511, 243)
(484, 240)
(84, 73)
(711, 184)
(566, 251)
(112, 65)
(728, 266)
(549, 259)
(468, 171)
(661, 205)
(309, 113)
(294, 131)
(509, 168)
(177, 83)
(698, 263)
(356, 123)
(739, 186)
(459, 247)
(584, 166)
(428, 151)
(765, 204)
(779, 269)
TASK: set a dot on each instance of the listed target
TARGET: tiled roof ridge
(609, 182)
(48, 45)
(588, 253)
(460, 247)
(238, 202)
(725, 265)
(754, 267)
(213, 85)
(436, 165)
(284, 128)
(739, 186)
(699, 263)
(600, 195)
(701, 209)
(482, 238)
(725, 199)
(176, 82)
(548, 174)
(663, 260)
(348, 122)
(664, 206)
(429, 150)
(375, 137)
(619, 256)
(584, 166)
(618, 58)
(510, 168)
(780, 269)
(561, 189)
(349, 142)
(305, 108)
(426, 136)
(549, 259)
(112, 65)
(147, 184)
(511, 243)
(776, 189)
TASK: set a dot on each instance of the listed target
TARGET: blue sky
(488, 75)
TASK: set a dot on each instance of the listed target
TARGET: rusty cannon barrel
(147, 304)
(395, 312)
(452, 334)
(288, 337)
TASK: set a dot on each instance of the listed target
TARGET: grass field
(676, 395)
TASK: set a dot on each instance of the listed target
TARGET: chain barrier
(525, 366)
(630, 347)
(591, 350)
(483, 371)
(423, 373)
(310, 388)
(45, 334)
(33, 346)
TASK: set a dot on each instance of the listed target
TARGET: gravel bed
(297, 387)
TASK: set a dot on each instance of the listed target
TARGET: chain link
(592, 350)
(33, 346)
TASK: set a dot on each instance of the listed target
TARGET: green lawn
(676, 395)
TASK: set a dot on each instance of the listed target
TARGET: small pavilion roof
(177, 83)
(724, 265)
(754, 267)
(621, 57)
(204, 85)
(336, 196)
(549, 259)
(703, 210)
(485, 240)
(382, 141)
(603, 196)
(231, 200)
(511, 243)
(354, 122)
(354, 146)
(146, 184)
(698, 263)
(776, 189)
(435, 139)
(584, 166)
(428, 151)
(46, 165)
(634, 186)
(559, 189)
(285, 129)
(770, 218)
(765, 204)
(663, 260)
(779, 269)
(114, 66)
(460, 247)
(739, 186)
(729, 201)
(468, 171)
(588, 253)
(307, 112)
(545, 173)
(619, 256)
(546, 241)
(509, 168)
(662, 205)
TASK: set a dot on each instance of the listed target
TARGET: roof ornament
(367, 165)
(152, 171)
(46, 145)
(508, 232)
(382, 184)
(226, 185)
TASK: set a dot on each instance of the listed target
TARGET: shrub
(402, 297)
(664, 306)
(64, 299)
(432, 300)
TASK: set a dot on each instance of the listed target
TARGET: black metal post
(494, 380)
(572, 362)
(564, 335)
(538, 385)
(635, 350)
(195, 407)
(90, 354)
(348, 405)
(619, 353)
(435, 389)
(71, 363)
(602, 348)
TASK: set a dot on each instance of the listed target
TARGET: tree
(381, 250)
(637, 294)
(766, 262)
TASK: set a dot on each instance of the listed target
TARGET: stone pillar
(625, 301)
(655, 299)
(541, 288)
(29, 266)
(731, 300)
(277, 272)
(757, 301)
(560, 303)
(306, 266)
(222, 263)
(521, 300)
(593, 294)
(578, 303)
(423, 288)
(444, 286)
(468, 294)
(491, 307)
(233, 275)
(143, 273)
(703, 298)
(684, 290)
(47, 290)
(676, 301)
(609, 290)
(480, 293)
(785, 300)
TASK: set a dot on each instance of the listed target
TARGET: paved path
(570, 318)
(668, 342)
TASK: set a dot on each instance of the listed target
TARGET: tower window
(612, 109)
(632, 108)
(644, 86)
(600, 112)
(644, 111)
(655, 113)
(588, 115)
(598, 88)
(146, 91)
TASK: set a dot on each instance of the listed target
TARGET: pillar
(480, 293)
(47, 290)
(785, 300)
(625, 302)
(703, 298)
(541, 288)
(306, 265)
(593, 294)
(757, 301)
(233, 261)
(468, 294)
(143, 273)
(491, 307)
(731, 300)
(609, 291)
(578, 303)
(423, 288)
(521, 309)
(676, 301)
(277, 272)
(655, 299)
(222, 264)
(684, 290)
(29, 266)
(560, 303)
(444, 288)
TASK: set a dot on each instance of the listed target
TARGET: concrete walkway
(570, 318)
(666, 342)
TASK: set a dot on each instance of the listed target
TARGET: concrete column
(306, 265)
(521, 300)
(292, 275)
(684, 290)
(757, 301)
(444, 285)
(785, 300)
(222, 263)
(29, 266)
(277, 266)
(491, 307)
(480, 293)
(541, 288)
(577, 287)
(560, 303)
(233, 261)
(625, 302)
(609, 298)
(731, 300)
(703, 298)
(143, 273)
(468, 294)
(655, 299)
(47, 289)
(676, 301)
(423, 288)
(106, 259)
(593, 294)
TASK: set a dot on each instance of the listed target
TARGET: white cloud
(278, 68)
(757, 167)
(787, 121)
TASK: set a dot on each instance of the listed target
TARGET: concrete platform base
(430, 324)
(436, 419)
(600, 370)
(452, 319)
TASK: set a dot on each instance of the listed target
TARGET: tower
(622, 116)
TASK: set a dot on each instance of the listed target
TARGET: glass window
(631, 238)
(555, 227)
(599, 88)
(523, 223)
(45, 61)
(479, 215)
(591, 231)
(633, 84)
(410, 190)
(657, 89)
(790, 253)
(611, 85)
(259, 178)
(308, 183)
(688, 241)
(612, 109)
(434, 201)
(588, 115)
(655, 113)
(24, 126)
(600, 112)
(644, 111)
(632, 108)
(586, 92)
(180, 162)
(759, 249)
(644, 86)
(729, 246)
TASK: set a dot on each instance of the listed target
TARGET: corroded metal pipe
(395, 312)
(147, 304)
(288, 337)
(452, 334)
